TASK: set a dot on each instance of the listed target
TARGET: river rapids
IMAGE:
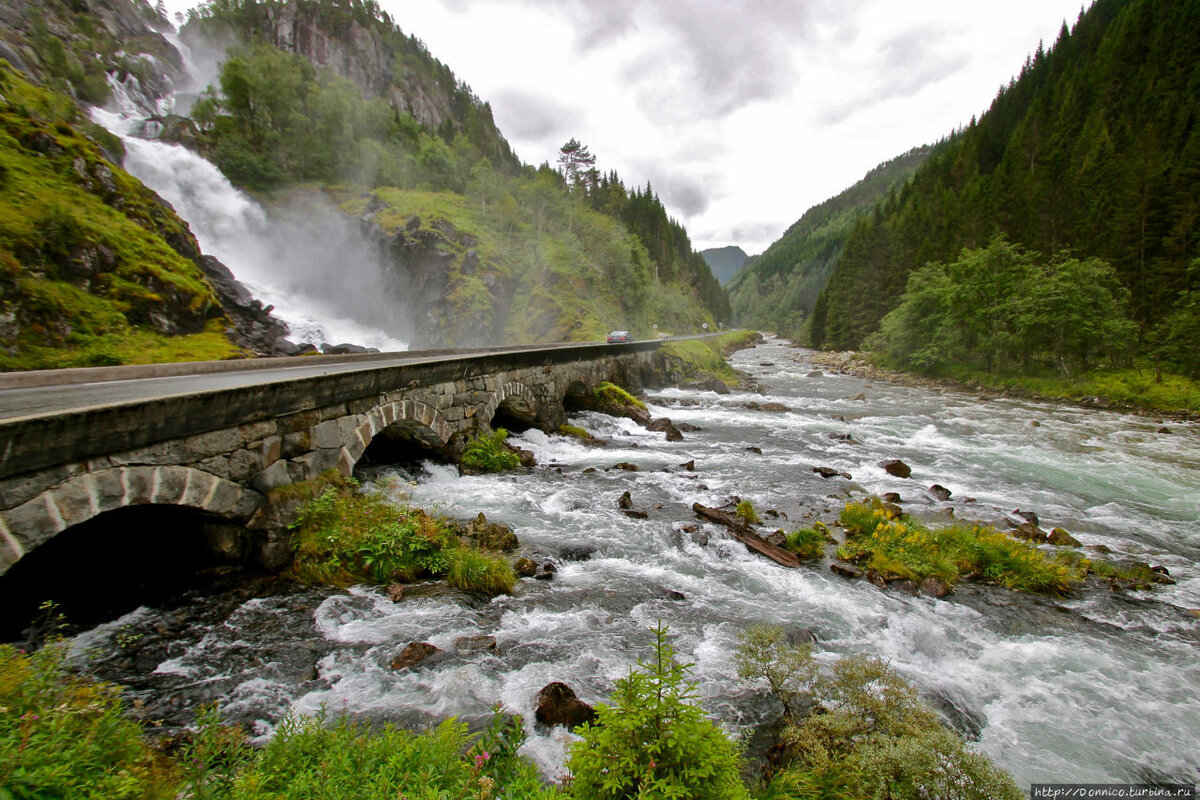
(1096, 687)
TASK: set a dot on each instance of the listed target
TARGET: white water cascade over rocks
(317, 267)
(1094, 687)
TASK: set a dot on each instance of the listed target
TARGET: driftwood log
(746, 535)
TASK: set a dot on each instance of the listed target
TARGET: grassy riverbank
(1137, 389)
(704, 359)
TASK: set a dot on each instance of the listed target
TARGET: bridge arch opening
(515, 413)
(109, 565)
(576, 398)
(399, 446)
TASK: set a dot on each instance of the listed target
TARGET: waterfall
(316, 266)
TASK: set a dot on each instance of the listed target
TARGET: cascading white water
(1096, 687)
(326, 280)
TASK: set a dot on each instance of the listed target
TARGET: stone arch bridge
(217, 438)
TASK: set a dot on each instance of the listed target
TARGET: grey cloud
(525, 115)
(682, 194)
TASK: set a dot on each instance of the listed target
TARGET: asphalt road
(24, 401)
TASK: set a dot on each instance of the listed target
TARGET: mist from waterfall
(324, 276)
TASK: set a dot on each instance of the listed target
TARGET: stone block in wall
(257, 430)
(200, 485)
(455, 414)
(328, 434)
(140, 483)
(169, 485)
(296, 443)
(297, 422)
(15, 491)
(317, 461)
(362, 405)
(345, 462)
(272, 477)
(11, 550)
(74, 500)
(332, 412)
(270, 449)
(217, 465)
(203, 445)
(110, 488)
(33, 522)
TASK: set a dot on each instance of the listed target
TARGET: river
(1096, 687)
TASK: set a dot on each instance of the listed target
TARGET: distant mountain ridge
(724, 261)
(778, 289)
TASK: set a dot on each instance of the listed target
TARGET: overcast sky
(742, 114)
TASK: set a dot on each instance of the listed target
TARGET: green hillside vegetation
(1089, 165)
(567, 254)
(778, 289)
(87, 276)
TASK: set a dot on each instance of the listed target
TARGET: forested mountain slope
(1095, 150)
(778, 290)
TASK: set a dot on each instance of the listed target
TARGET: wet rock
(774, 408)
(777, 538)
(589, 469)
(1028, 516)
(474, 644)
(625, 501)
(893, 509)
(753, 449)
(1060, 537)
(845, 570)
(939, 492)
(673, 434)
(841, 437)
(766, 363)
(659, 424)
(816, 373)
(491, 535)
(676, 596)
(891, 497)
(1029, 532)
(413, 653)
(860, 397)
(558, 705)
(934, 587)
(1163, 430)
(1103, 549)
(690, 466)
(896, 468)
(547, 573)
(635, 513)
(577, 552)
(625, 465)
(906, 586)
(830, 472)
(395, 592)
(528, 459)
(1161, 570)
(1035, 424)
(714, 385)
(525, 567)
(688, 427)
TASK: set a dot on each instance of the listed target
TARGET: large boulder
(896, 468)
(491, 535)
(558, 705)
(413, 653)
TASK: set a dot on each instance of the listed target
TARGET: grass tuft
(906, 548)
(490, 453)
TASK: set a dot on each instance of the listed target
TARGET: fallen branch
(746, 535)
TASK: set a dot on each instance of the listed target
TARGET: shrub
(745, 510)
(65, 736)
(909, 549)
(307, 760)
(490, 453)
(475, 571)
(867, 735)
(653, 741)
(344, 537)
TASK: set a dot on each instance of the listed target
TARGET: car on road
(619, 337)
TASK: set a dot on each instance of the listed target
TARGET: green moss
(705, 358)
(85, 268)
(906, 548)
(490, 453)
(575, 431)
(609, 395)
